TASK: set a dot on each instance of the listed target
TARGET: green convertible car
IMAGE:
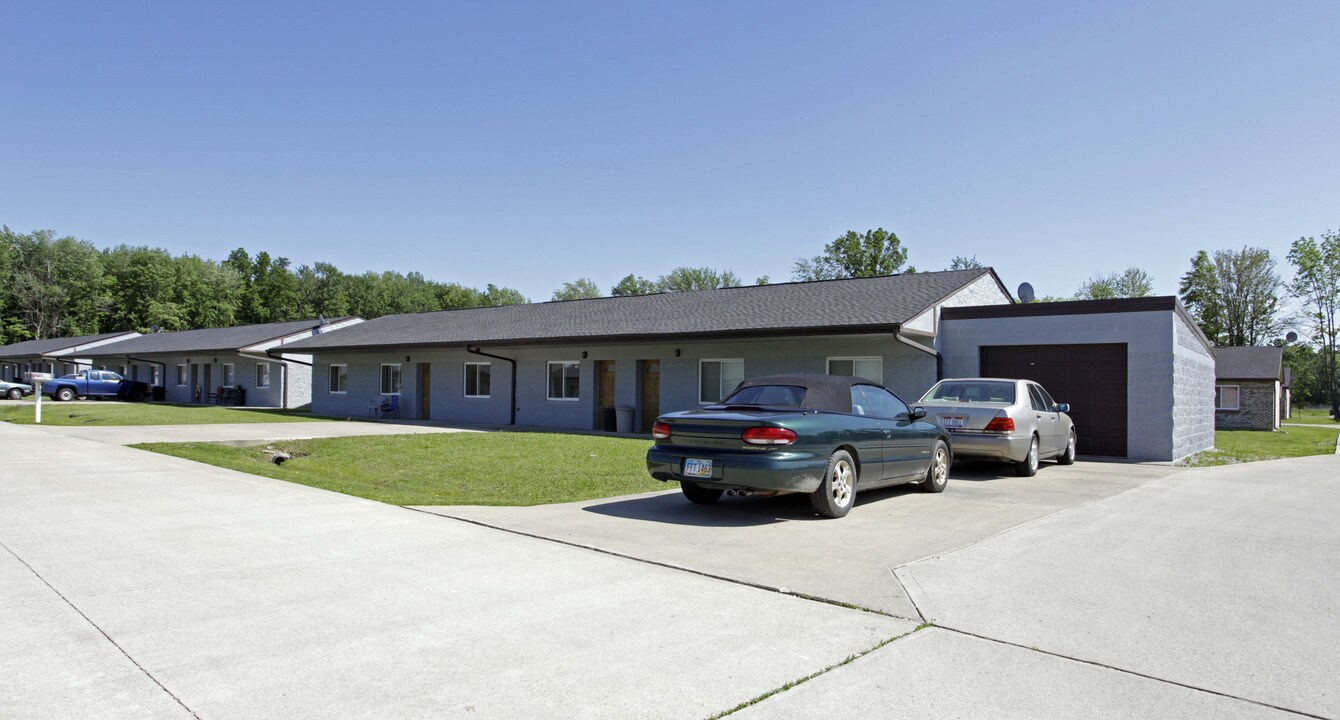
(823, 435)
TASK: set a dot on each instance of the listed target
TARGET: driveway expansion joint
(669, 566)
(1135, 673)
(102, 632)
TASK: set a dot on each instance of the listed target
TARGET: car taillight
(768, 436)
(660, 430)
(1000, 424)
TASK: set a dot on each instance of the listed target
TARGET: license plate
(951, 421)
(697, 468)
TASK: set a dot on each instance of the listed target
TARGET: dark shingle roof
(206, 340)
(1248, 363)
(34, 348)
(833, 305)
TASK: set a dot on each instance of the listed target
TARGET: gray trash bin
(623, 419)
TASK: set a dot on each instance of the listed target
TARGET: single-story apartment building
(52, 356)
(1138, 373)
(1248, 388)
(193, 365)
(560, 364)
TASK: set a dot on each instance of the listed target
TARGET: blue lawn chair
(391, 408)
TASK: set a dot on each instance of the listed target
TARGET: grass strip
(1240, 446)
(467, 468)
(95, 414)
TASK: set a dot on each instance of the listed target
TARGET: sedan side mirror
(918, 413)
(1062, 407)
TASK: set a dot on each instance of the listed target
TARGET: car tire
(937, 476)
(698, 494)
(14, 394)
(1028, 467)
(64, 394)
(1068, 457)
(837, 492)
(136, 395)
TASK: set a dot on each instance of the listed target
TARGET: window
(869, 368)
(1035, 396)
(181, 376)
(262, 375)
(154, 375)
(565, 382)
(717, 378)
(391, 379)
(1226, 397)
(478, 379)
(339, 378)
(229, 376)
(877, 402)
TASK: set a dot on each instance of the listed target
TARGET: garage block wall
(1193, 392)
(1153, 390)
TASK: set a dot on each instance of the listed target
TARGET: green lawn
(1314, 416)
(1239, 446)
(118, 413)
(503, 468)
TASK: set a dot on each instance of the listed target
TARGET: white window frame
(262, 369)
(331, 369)
(548, 389)
(183, 377)
(853, 359)
(701, 401)
(465, 380)
(1219, 395)
(154, 376)
(228, 374)
(381, 378)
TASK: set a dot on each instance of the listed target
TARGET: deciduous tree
(874, 253)
(1317, 283)
(579, 289)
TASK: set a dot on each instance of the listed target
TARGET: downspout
(162, 376)
(283, 369)
(939, 361)
(476, 351)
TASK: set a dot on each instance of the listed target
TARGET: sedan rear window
(972, 391)
(776, 395)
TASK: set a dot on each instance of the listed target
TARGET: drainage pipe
(476, 351)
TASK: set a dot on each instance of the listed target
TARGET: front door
(207, 382)
(425, 391)
(605, 391)
(651, 393)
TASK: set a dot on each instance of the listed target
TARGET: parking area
(778, 543)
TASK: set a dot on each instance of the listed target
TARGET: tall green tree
(1133, 282)
(1203, 297)
(1249, 295)
(960, 262)
(874, 253)
(633, 285)
(579, 289)
(58, 285)
(1317, 283)
(683, 279)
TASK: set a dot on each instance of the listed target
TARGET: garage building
(1137, 372)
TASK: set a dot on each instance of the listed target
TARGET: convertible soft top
(831, 393)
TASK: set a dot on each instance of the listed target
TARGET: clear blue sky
(526, 144)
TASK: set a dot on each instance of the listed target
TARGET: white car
(1014, 421)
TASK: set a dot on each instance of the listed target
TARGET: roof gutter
(898, 335)
(512, 398)
(276, 356)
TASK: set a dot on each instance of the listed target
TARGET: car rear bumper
(994, 447)
(779, 471)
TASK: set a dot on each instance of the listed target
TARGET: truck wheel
(137, 395)
(65, 394)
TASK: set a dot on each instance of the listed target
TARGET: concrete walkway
(140, 585)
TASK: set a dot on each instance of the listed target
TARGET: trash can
(159, 393)
(624, 419)
(607, 422)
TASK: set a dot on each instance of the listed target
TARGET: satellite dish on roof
(155, 329)
(320, 319)
(1026, 293)
(1291, 337)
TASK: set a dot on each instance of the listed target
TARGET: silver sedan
(14, 391)
(1013, 421)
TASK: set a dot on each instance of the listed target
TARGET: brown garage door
(1091, 378)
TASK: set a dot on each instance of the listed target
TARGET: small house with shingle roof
(52, 356)
(1248, 388)
(562, 364)
(193, 366)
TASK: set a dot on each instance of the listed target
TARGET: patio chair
(391, 408)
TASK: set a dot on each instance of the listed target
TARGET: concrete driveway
(778, 543)
(140, 585)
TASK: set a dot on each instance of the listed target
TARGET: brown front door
(425, 391)
(605, 393)
(651, 393)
